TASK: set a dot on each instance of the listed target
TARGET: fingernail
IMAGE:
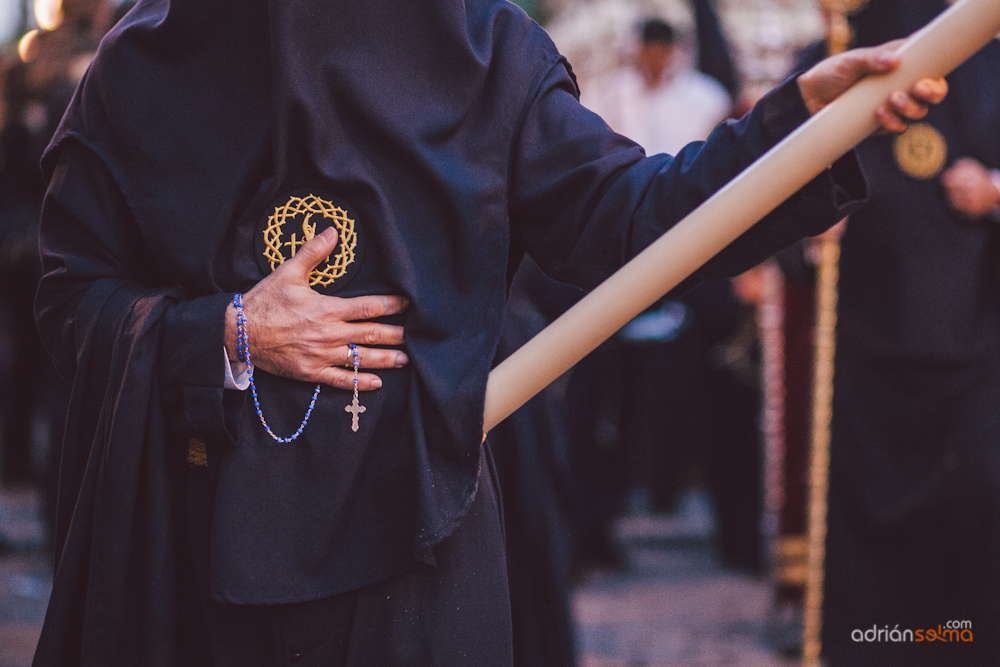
(887, 58)
(376, 383)
(401, 359)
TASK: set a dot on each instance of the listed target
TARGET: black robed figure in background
(424, 147)
(532, 449)
(914, 525)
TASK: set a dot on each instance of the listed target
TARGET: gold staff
(825, 336)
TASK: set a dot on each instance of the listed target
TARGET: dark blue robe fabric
(453, 132)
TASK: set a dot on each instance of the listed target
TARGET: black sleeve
(585, 200)
(89, 237)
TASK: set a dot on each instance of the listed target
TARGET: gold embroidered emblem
(304, 209)
(921, 151)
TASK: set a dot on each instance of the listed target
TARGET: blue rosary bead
(243, 354)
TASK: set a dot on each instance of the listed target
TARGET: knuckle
(304, 256)
(333, 306)
(371, 334)
(336, 379)
(369, 383)
(354, 309)
(384, 359)
(371, 307)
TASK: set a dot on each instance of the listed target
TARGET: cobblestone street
(25, 577)
(672, 607)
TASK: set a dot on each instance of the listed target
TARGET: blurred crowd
(664, 420)
(704, 403)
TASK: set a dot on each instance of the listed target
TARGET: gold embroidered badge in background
(921, 151)
(277, 249)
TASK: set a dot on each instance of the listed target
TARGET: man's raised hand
(297, 333)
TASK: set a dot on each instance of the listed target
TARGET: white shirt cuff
(995, 213)
(236, 373)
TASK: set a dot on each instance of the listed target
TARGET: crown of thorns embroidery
(306, 207)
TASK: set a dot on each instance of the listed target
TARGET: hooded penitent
(442, 138)
(914, 487)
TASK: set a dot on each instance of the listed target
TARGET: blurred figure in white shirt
(660, 102)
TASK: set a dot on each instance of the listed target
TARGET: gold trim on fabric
(793, 546)
(197, 456)
(792, 565)
(793, 574)
(824, 354)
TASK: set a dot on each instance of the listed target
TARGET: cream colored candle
(934, 51)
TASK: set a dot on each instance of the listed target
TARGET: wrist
(995, 180)
(813, 104)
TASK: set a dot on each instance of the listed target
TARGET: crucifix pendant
(355, 409)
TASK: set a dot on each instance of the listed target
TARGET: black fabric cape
(115, 563)
(453, 133)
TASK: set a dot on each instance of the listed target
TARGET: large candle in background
(933, 51)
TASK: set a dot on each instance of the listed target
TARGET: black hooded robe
(451, 132)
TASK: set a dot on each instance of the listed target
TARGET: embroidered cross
(295, 244)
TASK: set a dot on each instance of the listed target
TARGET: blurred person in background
(10, 235)
(914, 509)
(532, 449)
(794, 356)
(729, 363)
(661, 102)
(688, 414)
(714, 50)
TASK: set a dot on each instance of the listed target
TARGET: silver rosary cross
(355, 409)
